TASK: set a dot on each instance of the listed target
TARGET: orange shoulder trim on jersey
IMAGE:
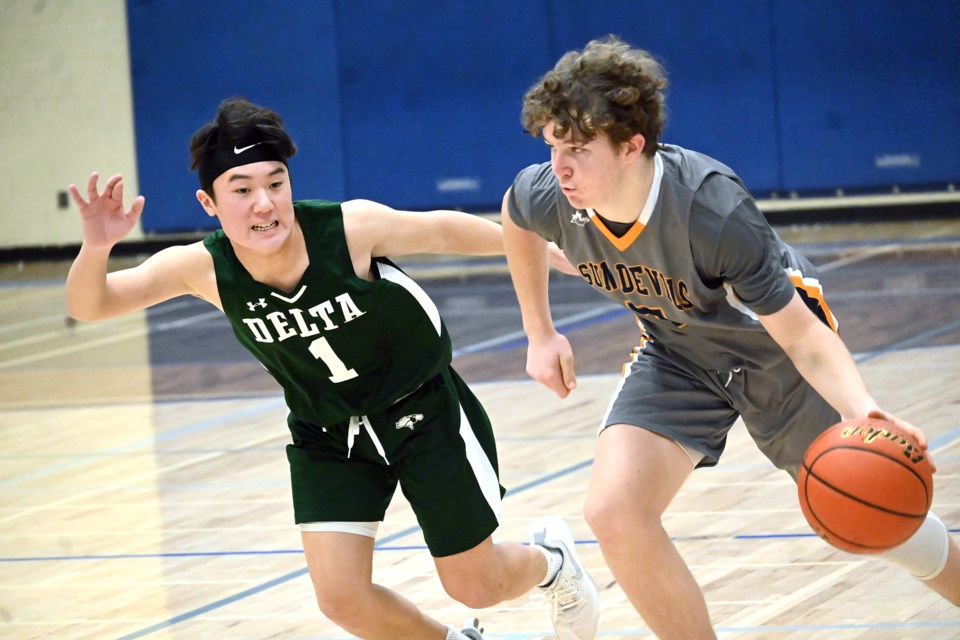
(815, 292)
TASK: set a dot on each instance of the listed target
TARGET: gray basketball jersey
(696, 267)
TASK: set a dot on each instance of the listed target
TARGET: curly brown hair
(608, 87)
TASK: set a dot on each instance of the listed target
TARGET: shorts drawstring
(730, 376)
(354, 430)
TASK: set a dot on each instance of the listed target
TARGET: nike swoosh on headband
(239, 150)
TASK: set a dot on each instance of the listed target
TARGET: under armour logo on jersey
(578, 218)
(407, 422)
(253, 305)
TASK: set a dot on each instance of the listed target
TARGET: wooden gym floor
(144, 490)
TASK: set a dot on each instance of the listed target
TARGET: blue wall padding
(870, 92)
(719, 58)
(187, 57)
(415, 103)
(432, 93)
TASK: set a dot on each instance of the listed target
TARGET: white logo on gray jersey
(579, 218)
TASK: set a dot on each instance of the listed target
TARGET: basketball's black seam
(836, 536)
(861, 500)
(926, 493)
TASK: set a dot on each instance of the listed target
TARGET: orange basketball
(865, 486)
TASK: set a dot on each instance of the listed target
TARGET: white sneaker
(472, 630)
(573, 598)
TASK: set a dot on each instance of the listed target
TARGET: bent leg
(341, 568)
(931, 556)
(636, 474)
(491, 573)
(947, 583)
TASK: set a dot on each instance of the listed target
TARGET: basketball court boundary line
(187, 615)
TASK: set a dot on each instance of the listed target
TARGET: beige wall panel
(66, 109)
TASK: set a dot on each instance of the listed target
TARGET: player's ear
(632, 148)
(207, 203)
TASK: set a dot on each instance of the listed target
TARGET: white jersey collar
(654, 194)
(654, 190)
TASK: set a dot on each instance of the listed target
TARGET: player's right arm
(92, 293)
(549, 355)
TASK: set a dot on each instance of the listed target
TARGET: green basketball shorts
(437, 443)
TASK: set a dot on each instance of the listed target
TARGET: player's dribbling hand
(550, 362)
(917, 434)
(105, 221)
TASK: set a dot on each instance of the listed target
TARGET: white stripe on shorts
(482, 469)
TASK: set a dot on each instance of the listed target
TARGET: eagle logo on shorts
(578, 218)
(407, 422)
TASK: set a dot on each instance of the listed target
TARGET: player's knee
(925, 554)
(476, 592)
(612, 519)
(595, 513)
(341, 605)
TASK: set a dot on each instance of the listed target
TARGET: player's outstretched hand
(105, 221)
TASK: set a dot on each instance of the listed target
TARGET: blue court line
(300, 572)
(934, 624)
(943, 440)
(721, 631)
(161, 437)
(521, 340)
(906, 344)
(245, 593)
(265, 406)
(234, 415)
(149, 556)
(171, 453)
(380, 546)
(549, 477)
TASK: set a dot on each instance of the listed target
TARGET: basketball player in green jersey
(733, 320)
(364, 361)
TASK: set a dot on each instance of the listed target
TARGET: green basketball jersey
(339, 345)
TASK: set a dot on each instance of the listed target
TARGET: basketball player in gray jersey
(363, 358)
(733, 320)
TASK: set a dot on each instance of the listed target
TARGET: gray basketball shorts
(669, 395)
(437, 444)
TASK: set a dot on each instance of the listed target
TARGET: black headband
(224, 158)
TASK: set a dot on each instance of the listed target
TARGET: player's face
(588, 172)
(254, 205)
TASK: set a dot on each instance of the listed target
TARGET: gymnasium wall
(65, 110)
(415, 103)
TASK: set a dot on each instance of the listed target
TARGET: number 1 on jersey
(322, 350)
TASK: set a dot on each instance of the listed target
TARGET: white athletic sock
(554, 562)
(453, 634)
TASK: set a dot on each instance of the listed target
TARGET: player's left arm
(378, 230)
(824, 361)
(385, 231)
